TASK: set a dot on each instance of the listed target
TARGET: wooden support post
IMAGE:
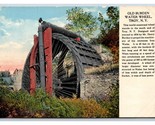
(47, 41)
(32, 65)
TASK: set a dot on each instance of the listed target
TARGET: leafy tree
(111, 23)
(109, 35)
(81, 22)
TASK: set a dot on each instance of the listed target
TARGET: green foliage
(88, 108)
(112, 22)
(42, 105)
(112, 103)
(81, 22)
(3, 92)
(109, 35)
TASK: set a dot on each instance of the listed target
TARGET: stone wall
(98, 85)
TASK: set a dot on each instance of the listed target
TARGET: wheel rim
(83, 56)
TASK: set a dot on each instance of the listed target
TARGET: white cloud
(61, 22)
(55, 18)
(3, 32)
(8, 23)
(94, 9)
(18, 31)
(11, 44)
(104, 6)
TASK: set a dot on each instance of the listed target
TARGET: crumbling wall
(98, 85)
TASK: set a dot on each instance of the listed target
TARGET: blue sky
(18, 25)
(34, 12)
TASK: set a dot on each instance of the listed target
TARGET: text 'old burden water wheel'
(57, 60)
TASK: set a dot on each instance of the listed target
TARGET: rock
(98, 85)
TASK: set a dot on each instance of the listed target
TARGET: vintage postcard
(77, 61)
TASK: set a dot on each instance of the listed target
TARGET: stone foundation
(98, 85)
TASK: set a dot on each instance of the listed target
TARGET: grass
(102, 68)
(42, 105)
